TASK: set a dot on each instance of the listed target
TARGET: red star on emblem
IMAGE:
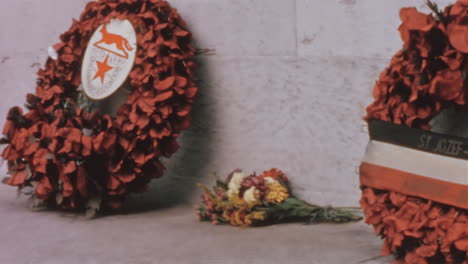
(103, 68)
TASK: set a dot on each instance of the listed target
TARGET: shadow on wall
(189, 165)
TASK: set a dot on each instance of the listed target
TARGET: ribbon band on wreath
(416, 162)
(413, 182)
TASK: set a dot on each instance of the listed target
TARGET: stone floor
(170, 235)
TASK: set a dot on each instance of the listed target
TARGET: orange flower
(457, 30)
(412, 20)
(275, 174)
(448, 85)
(401, 219)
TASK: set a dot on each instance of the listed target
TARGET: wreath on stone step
(69, 156)
(426, 77)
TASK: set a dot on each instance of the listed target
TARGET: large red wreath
(427, 76)
(75, 159)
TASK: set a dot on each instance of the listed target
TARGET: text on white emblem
(108, 59)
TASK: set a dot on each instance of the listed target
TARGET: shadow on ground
(188, 166)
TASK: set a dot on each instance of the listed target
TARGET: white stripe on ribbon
(417, 162)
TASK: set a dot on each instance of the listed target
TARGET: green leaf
(59, 198)
(220, 183)
(36, 203)
(439, 14)
(32, 140)
(91, 213)
(293, 209)
(93, 205)
(28, 170)
(26, 190)
(280, 180)
(222, 220)
(6, 180)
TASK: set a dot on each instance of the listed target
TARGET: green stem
(294, 209)
(435, 9)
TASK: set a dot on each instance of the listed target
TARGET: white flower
(250, 196)
(270, 181)
(235, 183)
(53, 53)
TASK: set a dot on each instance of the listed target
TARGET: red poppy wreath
(413, 180)
(75, 158)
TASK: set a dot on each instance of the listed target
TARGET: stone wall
(283, 83)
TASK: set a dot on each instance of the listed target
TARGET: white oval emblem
(108, 59)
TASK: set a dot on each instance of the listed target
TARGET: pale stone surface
(164, 235)
(242, 27)
(272, 114)
(30, 26)
(367, 28)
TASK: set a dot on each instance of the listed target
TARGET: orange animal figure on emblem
(120, 42)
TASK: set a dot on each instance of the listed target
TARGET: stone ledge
(171, 235)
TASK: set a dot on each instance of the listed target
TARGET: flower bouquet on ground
(253, 200)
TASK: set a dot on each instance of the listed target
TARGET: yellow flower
(276, 192)
(219, 204)
(255, 215)
(236, 218)
(258, 215)
(226, 215)
(237, 202)
(241, 218)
